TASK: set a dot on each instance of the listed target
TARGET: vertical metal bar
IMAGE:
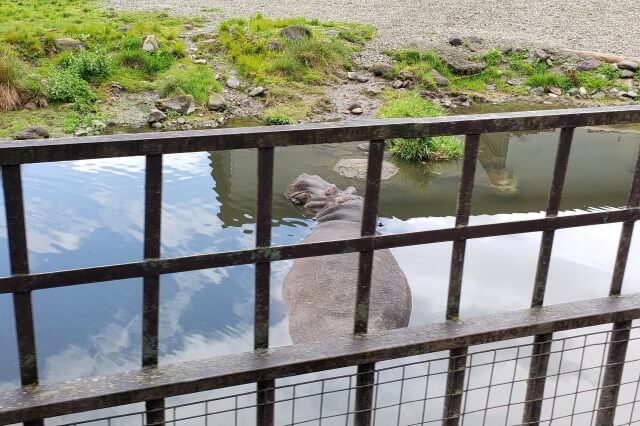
(151, 284)
(366, 372)
(542, 343)
(265, 389)
(19, 259)
(458, 357)
(621, 331)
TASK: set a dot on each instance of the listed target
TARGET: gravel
(607, 26)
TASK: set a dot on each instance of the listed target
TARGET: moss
(410, 104)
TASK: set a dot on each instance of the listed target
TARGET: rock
(588, 64)
(357, 168)
(66, 43)
(257, 91)
(541, 54)
(111, 123)
(156, 116)
(397, 84)
(97, 124)
(406, 75)
(295, 32)
(475, 39)
(363, 78)
(464, 67)
(599, 95)
(573, 91)
(200, 61)
(613, 91)
(157, 125)
(549, 62)
(81, 132)
(181, 120)
(407, 83)
(233, 82)
(455, 41)
(364, 146)
(553, 95)
(623, 74)
(446, 103)
(556, 91)
(182, 104)
(537, 91)
(439, 78)
(274, 45)
(630, 94)
(489, 87)
(582, 91)
(356, 109)
(31, 106)
(150, 43)
(32, 132)
(628, 65)
(381, 69)
(217, 102)
(187, 27)
(352, 75)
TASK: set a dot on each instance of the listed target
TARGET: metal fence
(364, 392)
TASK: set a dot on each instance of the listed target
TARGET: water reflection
(91, 212)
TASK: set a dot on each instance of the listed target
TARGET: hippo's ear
(331, 189)
(350, 190)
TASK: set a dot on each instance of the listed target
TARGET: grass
(197, 80)
(16, 87)
(410, 104)
(276, 118)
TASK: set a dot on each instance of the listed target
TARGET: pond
(86, 213)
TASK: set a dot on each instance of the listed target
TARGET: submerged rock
(357, 168)
(32, 132)
(182, 104)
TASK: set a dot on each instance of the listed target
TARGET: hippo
(320, 292)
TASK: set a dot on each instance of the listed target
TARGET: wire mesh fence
(411, 391)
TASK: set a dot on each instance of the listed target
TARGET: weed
(275, 118)
(88, 65)
(196, 80)
(67, 86)
(548, 80)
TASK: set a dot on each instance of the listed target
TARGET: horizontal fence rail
(153, 383)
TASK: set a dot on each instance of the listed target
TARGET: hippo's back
(321, 291)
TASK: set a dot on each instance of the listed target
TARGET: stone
(464, 67)
(537, 91)
(111, 123)
(274, 45)
(573, 91)
(407, 83)
(406, 75)
(295, 32)
(150, 43)
(613, 91)
(630, 94)
(588, 64)
(397, 84)
(357, 168)
(599, 95)
(489, 87)
(81, 132)
(380, 69)
(182, 104)
(157, 125)
(200, 61)
(439, 78)
(556, 91)
(582, 91)
(181, 120)
(156, 116)
(475, 39)
(541, 54)
(217, 102)
(98, 124)
(257, 91)
(627, 74)
(356, 109)
(446, 103)
(32, 132)
(233, 82)
(628, 65)
(362, 78)
(31, 106)
(553, 95)
(66, 43)
(352, 75)
(549, 62)
(455, 41)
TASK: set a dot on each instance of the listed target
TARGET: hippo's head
(314, 193)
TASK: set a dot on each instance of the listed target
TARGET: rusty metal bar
(265, 388)
(458, 358)
(620, 331)
(274, 253)
(366, 372)
(195, 376)
(19, 260)
(65, 149)
(151, 284)
(542, 343)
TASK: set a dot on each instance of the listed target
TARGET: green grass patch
(277, 118)
(189, 79)
(410, 104)
(548, 80)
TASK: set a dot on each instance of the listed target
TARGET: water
(87, 213)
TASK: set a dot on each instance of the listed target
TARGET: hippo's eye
(300, 198)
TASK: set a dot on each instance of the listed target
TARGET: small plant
(275, 118)
(548, 80)
(88, 65)
(11, 68)
(67, 86)
(196, 80)
(151, 63)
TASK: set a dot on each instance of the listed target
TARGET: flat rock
(599, 95)
(357, 168)
(630, 94)
(627, 74)
(66, 43)
(200, 61)
(537, 91)
(356, 109)
(363, 78)
(628, 64)
(156, 116)
(32, 132)
(295, 32)
(98, 124)
(352, 75)
(233, 82)
(380, 69)
(541, 54)
(439, 78)
(406, 75)
(256, 91)
(462, 66)
(182, 104)
(217, 102)
(556, 91)
(397, 84)
(150, 43)
(588, 64)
